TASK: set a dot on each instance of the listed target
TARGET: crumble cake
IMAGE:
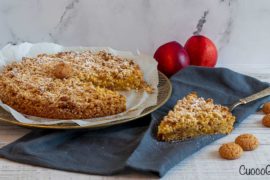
(70, 85)
(193, 116)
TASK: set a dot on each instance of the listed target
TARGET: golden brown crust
(266, 108)
(266, 120)
(193, 116)
(248, 142)
(230, 151)
(70, 85)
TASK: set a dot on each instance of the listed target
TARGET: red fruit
(171, 58)
(202, 51)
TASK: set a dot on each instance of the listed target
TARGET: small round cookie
(266, 120)
(230, 151)
(248, 142)
(62, 70)
(266, 108)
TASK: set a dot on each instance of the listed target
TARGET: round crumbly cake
(70, 85)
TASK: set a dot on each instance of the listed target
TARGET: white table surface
(205, 164)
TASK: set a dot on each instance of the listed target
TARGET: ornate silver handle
(253, 97)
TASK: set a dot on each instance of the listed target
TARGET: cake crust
(70, 85)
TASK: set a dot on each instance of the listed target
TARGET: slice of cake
(193, 116)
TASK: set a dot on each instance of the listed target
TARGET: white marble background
(240, 28)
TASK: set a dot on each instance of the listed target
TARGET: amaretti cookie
(230, 151)
(248, 142)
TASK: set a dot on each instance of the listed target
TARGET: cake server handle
(253, 97)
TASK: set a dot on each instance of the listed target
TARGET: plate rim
(104, 125)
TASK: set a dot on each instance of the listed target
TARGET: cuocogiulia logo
(243, 170)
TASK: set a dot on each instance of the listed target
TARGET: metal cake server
(253, 97)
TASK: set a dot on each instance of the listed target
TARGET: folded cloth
(134, 144)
